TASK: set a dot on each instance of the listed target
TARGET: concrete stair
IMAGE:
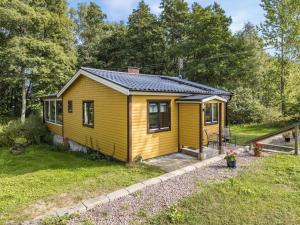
(209, 152)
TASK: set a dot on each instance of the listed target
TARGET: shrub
(29, 132)
(95, 155)
(244, 107)
(34, 129)
(11, 133)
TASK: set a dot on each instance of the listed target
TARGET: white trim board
(215, 97)
(95, 78)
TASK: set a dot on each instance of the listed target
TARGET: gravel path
(153, 199)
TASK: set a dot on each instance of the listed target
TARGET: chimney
(133, 69)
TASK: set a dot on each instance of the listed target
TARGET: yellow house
(131, 116)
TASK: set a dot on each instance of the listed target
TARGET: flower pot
(257, 153)
(287, 139)
(231, 163)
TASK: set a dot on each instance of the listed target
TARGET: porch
(202, 122)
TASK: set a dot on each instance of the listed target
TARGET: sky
(241, 11)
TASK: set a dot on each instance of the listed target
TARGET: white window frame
(49, 110)
(212, 113)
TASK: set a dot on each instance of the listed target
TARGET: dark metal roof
(195, 97)
(154, 83)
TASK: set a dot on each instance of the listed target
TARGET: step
(190, 152)
(278, 148)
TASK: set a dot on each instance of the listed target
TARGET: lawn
(267, 193)
(41, 178)
(249, 131)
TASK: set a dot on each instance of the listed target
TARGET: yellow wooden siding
(56, 129)
(189, 125)
(109, 134)
(153, 144)
(214, 128)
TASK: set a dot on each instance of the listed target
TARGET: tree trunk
(23, 112)
(282, 78)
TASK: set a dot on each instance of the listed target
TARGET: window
(211, 113)
(88, 113)
(159, 118)
(70, 106)
(46, 113)
(59, 112)
(53, 111)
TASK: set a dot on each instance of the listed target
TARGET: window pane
(164, 115)
(59, 113)
(88, 113)
(70, 106)
(153, 116)
(153, 108)
(215, 112)
(208, 112)
(91, 114)
(46, 113)
(52, 111)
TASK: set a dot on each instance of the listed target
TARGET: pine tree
(174, 18)
(145, 40)
(37, 51)
(90, 30)
(208, 45)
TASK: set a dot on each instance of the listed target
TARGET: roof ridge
(182, 81)
(195, 84)
(114, 71)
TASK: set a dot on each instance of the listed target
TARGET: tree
(111, 53)
(174, 18)
(90, 29)
(37, 50)
(281, 30)
(145, 40)
(208, 45)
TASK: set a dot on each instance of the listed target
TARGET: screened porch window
(53, 111)
(88, 113)
(211, 113)
(159, 116)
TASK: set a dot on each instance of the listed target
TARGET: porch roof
(200, 98)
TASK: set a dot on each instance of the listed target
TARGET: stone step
(190, 152)
(278, 148)
(209, 152)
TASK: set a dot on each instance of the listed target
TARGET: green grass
(33, 182)
(266, 193)
(247, 132)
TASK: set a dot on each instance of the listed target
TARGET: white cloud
(239, 19)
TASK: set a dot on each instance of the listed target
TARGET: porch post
(220, 128)
(201, 156)
(296, 140)
(226, 114)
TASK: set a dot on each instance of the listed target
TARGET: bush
(95, 155)
(34, 129)
(244, 107)
(29, 132)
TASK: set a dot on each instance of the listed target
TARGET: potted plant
(258, 149)
(231, 157)
(287, 136)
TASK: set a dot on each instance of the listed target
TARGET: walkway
(153, 199)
